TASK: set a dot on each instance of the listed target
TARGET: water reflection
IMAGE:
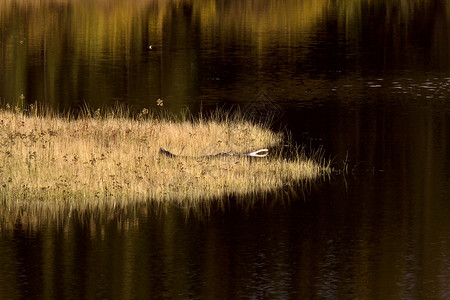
(356, 243)
(367, 79)
(68, 52)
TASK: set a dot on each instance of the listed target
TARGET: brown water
(367, 80)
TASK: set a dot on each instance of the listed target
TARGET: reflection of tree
(65, 51)
(98, 51)
(180, 36)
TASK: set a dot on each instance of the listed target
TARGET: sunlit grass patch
(113, 156)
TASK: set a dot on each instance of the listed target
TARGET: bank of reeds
(113, 157)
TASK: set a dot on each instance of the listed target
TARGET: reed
(112, 156)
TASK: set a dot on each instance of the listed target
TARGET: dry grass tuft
(107, 157)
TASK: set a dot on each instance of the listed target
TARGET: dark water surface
(367, 80)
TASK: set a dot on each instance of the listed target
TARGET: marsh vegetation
(112, 156)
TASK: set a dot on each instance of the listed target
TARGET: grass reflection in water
(112, 157)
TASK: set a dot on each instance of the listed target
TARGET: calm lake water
(369, 81)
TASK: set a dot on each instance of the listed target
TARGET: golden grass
(112, 157)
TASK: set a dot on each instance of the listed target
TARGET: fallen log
(257, 153)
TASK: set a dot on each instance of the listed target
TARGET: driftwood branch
(257, 153)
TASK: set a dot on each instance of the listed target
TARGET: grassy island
(113, 156)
